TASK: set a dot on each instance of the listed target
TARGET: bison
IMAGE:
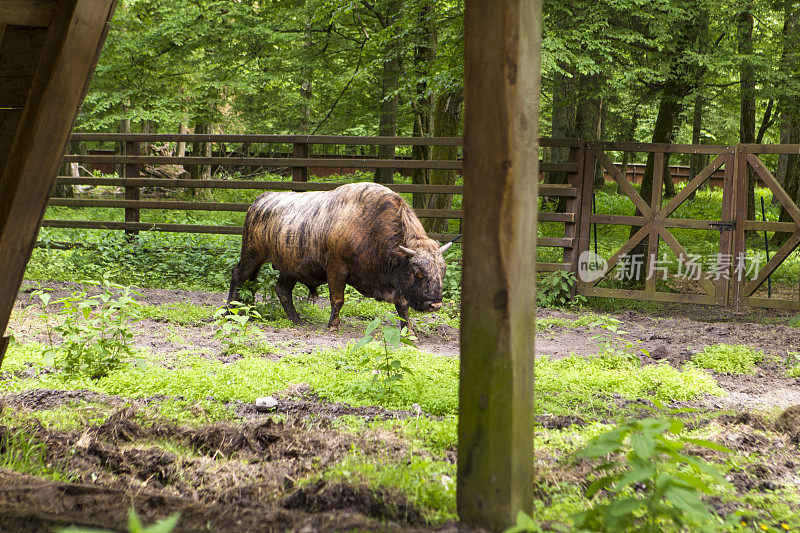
(361, 234)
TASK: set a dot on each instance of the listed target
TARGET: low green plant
(383, 365)
(555, 290)
(134, 525)
(648, 483)
(234, 324)
(95, 329)
(736, 359)
(24, 453)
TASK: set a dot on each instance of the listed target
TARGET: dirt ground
(257, 492)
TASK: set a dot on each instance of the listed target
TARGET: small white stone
(417, 410)
(266, 403)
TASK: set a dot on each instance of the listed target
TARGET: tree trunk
(563, 121)
(697, 162)
(306, 79)
(780, 170)
(588, 115)
(791, 110)
(69, 169)
(389, 99)
(200, 149)
(446, 122)
(424, 54)
(747, 94)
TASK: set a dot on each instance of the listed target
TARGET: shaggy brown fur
(351, 235)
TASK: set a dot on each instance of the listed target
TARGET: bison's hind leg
(284, 287)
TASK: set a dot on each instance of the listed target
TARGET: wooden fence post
(740, 188)
(132, 170)
(300, 150)
(573, 205)
(495, 428)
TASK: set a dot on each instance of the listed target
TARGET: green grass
(428, 483)
(182, 313)
(21, 451)
(735, 359)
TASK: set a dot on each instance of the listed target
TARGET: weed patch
(728, 358)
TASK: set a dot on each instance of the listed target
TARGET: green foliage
(383, 366)
(555, 290)
(134, 525)
(233, 322)
(95, 330)
(735, 359)
(648, 483)
(24, 453)
(426, 482)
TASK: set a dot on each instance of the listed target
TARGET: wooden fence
(655, 220)
(131, 160)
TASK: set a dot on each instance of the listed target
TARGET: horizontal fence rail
(131, 160)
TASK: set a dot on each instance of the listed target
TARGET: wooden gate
(747, 283)
(655, 220)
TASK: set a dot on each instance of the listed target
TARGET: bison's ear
(408, 252)
(444, 248)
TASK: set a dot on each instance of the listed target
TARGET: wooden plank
(675, 297)
(550, 189)
(300, 151)
(726, 237)
(655, 205)
(740, 188)
(264, 161)
(772, 303)
(244, 184)
(552, 267)
(496, 423)
(142, 226)
(568, 218)
(769, 148)
(68, 57)
(758, 225)
(624, 185)
(27, 12)
(658, 147)
(344, 140)
(573, 206)
(548, 142)
(555, 242)
(684, 223)
(201, 206)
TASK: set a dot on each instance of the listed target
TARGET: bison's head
(423, 275)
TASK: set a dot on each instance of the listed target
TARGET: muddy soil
(241, 476)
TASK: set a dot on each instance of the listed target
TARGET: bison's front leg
(337, 281)
(284, 287)
(401, 306)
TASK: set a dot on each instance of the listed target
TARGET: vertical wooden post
(655, 205)
(586, 184)
(27, 176)
(740, 216)
(573, 205)
(728, 215)
(300, 150)
(495, 431)
(132, 170)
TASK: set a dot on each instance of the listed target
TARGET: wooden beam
(37, 13)
(495, 430)
(68, 57)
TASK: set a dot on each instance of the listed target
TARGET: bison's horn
(444, 248)
(408, 251)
